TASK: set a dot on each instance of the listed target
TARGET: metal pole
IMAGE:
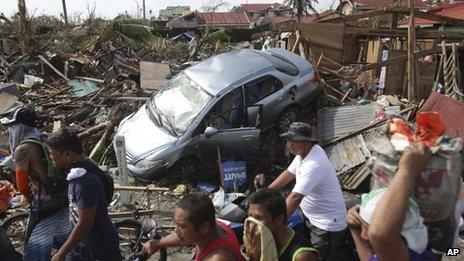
(65, 13)
(144, 13)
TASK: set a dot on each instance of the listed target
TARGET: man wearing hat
(316, 191)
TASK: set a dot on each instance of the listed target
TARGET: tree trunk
(24, 33)
(65, 12)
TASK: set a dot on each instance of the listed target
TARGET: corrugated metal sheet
(348, 154)
(354, 180)
(336, 122)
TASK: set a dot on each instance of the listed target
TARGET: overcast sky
(111, 8)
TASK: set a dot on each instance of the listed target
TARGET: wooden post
(120, 147)
(24, 32)
(65, 13)
(411, 50)
(394, 22)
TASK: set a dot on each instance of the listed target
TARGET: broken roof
(450, 110)
(455, 10)
(260, 7)
(223, 18)
(282, 19)
(375, 4)
(348, 154)
(336, 122)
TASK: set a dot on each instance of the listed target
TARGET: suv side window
(228, 113)
(261, 88)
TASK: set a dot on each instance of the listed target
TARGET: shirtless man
(48, 225)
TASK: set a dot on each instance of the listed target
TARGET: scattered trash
(222, 199)
(206, 187)
(30, 80)
(180, 190)
(83, 88)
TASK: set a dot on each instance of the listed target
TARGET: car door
(226, 127)
(267, 91)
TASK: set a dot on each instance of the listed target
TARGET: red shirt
(228, 242)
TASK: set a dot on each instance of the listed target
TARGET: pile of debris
(363, 71)
(77, 76)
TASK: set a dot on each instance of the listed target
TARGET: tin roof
(455, 10)
(374, 4)
(354, 180)
(336, 122)
(260, 7)
(223, 18)
(348, 154)
(450, 110)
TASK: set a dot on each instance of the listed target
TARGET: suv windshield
(178, 103)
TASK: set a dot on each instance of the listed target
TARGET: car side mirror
(210, 131)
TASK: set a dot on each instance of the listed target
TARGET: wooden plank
(398, 59)
(411, 50)
(326, 39)
(297, 42)
(140, 188)
(395, 72)
(153, 75)
(354, 17)
(52, 67)
(440, 18)
(420, 33)
(129, 214)
(394, 11)
(425, 78)
(90, 79)
(373, 51)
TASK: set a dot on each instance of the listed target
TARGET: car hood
(142, 136)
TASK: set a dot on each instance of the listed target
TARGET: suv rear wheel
(287, 117)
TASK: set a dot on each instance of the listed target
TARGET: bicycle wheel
(15, 227)
(129, 231)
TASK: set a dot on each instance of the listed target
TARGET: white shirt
(316, 179)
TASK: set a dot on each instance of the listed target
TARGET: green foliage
(127, 31)
(222, 35)
(301, 7)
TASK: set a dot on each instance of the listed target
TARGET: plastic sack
(7, 191)
(222, 199)
(438, 186)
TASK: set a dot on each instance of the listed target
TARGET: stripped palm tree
(301, 7)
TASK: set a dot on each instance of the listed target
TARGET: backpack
(56, 184)
(105, 178)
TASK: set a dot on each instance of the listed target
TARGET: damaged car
(216, 107)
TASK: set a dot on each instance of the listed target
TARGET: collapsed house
(358, 63)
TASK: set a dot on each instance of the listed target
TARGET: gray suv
(220, 104)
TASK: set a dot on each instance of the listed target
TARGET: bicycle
(133, 231)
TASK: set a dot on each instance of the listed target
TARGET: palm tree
(301, 7)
